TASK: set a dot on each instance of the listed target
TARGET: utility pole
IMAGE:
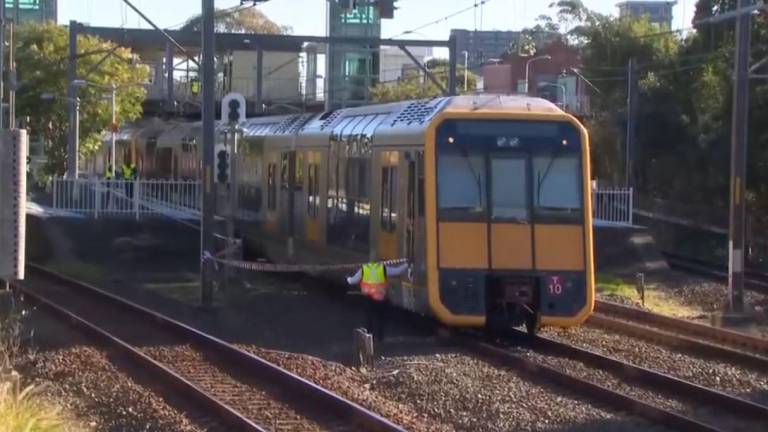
(739, 141)
(2, 63)
(72, 144)
(12, 75)
(209, 141)
(632, 104)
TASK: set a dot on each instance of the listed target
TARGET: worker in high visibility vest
(372, 278)
(107, 185)
(129, 175)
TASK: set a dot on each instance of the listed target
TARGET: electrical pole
(72, 144)
(632, 99)
(739, 140)
(12, 75)
(209, 142)
(2, 63)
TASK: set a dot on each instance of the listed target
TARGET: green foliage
(414, 85)
(42, 66)
(240, 20)
(24, 409)
(685, 106)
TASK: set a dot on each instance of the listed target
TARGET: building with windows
(551, 75)
(395, 64)
(483, 46)
(659, 12)
(21, 11)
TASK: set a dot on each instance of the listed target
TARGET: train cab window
(509, 189)
(557, 189)
(389, 199)
(461, 192)
(272, 187)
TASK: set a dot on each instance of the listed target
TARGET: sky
(307, 17)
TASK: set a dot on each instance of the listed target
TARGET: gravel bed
(455, 392)
(720, 375)
(249, 400)
(708, 414)
(354, 385)
(84, 382)
(705, 294)
(470, 395)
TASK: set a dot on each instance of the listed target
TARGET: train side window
(313, 191)
(284, 170)
(388, 198)
(272, 187)
(420, 171)
(299, 184)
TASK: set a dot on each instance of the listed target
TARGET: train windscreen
(509, 171)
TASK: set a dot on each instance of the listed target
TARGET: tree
(239, 20)
(41, 58)
(416, 86)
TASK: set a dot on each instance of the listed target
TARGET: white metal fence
(134, 198)
(612, 205)
(182, 199)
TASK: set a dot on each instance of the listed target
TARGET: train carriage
(488, 197)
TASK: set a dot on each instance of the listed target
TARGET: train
(488, 196)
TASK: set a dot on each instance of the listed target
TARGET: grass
(185, 292)
(25, 410)
(611, 285)
(80, 270)
(656, 300)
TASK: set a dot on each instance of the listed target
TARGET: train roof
(390, 124)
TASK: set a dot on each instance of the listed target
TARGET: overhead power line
(474, 7)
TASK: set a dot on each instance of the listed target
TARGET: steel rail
(664, 383)
(678, 341)
(730, 338)
(248, 362)
(165, 375)
(755, 281)
(598, 393)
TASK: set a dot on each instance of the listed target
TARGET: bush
(23, 410)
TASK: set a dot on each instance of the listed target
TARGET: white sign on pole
(13, 203)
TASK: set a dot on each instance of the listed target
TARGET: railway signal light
(233, 108)
(13, 202)
(222, 166)
(387, 9)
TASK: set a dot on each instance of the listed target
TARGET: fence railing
(612, 205)
(178, 198)
(136, 198)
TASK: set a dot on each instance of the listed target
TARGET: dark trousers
(129, 189)
(376, 317)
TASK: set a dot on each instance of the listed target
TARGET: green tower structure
(353, 69)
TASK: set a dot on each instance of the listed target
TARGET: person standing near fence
(108, 177)
(129, 175)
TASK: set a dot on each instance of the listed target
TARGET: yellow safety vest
(374, 281)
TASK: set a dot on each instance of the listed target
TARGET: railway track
(701, 338)
(623, 386)
(755, 281)
(244, 391)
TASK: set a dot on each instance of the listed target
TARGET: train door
(272, 182)
(285, 200)
(313, 226)
(389, 188)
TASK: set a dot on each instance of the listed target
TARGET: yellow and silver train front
(509, 220)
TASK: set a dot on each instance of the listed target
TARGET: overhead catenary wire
(475, 6)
